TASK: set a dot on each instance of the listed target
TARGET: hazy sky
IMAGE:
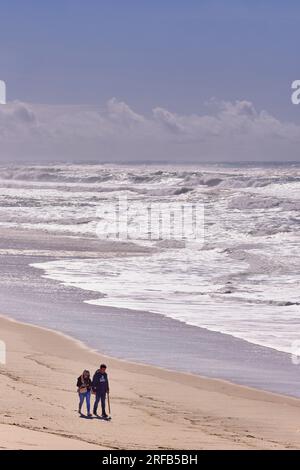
(168, 79)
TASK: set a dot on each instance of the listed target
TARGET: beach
(152, 408)
(132, 335)
(149, 229)
(198, 341)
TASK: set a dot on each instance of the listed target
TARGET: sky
(175, 80)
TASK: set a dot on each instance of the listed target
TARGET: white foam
(245, 282)
(192, 287)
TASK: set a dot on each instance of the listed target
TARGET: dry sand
(151, 408)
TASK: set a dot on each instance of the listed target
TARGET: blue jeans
(85, 396)
(100, 395)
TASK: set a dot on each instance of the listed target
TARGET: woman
(84, 385)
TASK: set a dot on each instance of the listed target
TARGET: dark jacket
(81, 383)
(100, 382)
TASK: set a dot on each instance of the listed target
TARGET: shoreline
(134, 336)
(152, 407)
(81, 345)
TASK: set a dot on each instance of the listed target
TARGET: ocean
(241, 280)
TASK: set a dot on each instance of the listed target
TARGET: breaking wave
(243, 281)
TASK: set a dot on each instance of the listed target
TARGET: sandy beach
(149, 228)
(152, 408)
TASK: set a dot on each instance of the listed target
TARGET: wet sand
(151, 407)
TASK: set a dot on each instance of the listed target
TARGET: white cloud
(120, 112)
(172, 122)
(235, 131)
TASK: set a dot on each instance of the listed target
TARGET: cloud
(120, 112)
(170, 121)
(234, 131)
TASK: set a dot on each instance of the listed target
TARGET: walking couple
(99, 387)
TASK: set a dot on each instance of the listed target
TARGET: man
(100, 387)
